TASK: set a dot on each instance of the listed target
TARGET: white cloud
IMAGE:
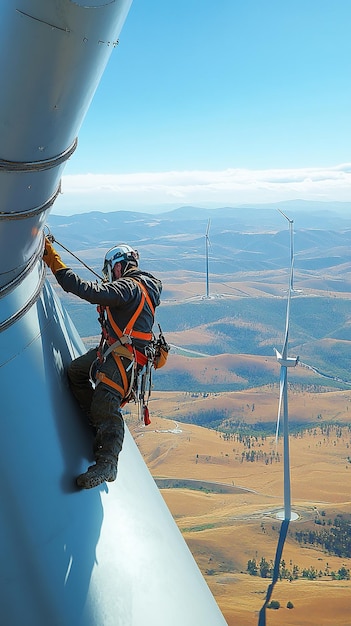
(230, 187)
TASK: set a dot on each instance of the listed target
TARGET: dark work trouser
(102, 404)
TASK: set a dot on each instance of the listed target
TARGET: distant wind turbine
(291, 231)
(207, 243)
(286, 362)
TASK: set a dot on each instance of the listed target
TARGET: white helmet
(119, 254)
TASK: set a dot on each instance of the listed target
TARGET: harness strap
(114, 325)
(128, 332)
(122, 371)
(140, 358)
(123, 345)
(123, 391)
(129, 328)
(102, 378)
(129, 351)
(118, 347)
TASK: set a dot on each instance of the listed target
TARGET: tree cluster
(264, 569)
(335, 538)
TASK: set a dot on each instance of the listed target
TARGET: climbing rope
(53, 239)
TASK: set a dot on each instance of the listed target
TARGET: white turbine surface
(113, 555)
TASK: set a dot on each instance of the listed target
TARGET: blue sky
(216, 104)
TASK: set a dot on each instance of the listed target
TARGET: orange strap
(122, 371)
(129, 328)
(113, 324)
(111, 383)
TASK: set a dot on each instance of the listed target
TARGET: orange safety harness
(123, 346)
(129, 331)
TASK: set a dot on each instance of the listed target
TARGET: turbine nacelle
(287, 362)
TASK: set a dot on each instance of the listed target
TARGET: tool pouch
(162, 349)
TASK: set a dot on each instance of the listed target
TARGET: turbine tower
(113, 555)
(207, 243)
(286, 362)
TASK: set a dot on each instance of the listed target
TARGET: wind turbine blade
(286, 217)
(291, 280)
(281, 390)
(291, 230)
(287, 322)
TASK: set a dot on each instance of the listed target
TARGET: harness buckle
(125, 339)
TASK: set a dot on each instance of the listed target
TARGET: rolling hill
(214, 406)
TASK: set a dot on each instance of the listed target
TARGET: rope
(52, 239)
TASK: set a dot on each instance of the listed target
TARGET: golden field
(225, 492)
(225, 530)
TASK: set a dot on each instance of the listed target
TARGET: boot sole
(90, 483)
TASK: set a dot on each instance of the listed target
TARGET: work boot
(96, 474)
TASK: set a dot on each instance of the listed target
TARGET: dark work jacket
(122, 296)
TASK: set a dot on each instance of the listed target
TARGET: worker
(126, 300)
